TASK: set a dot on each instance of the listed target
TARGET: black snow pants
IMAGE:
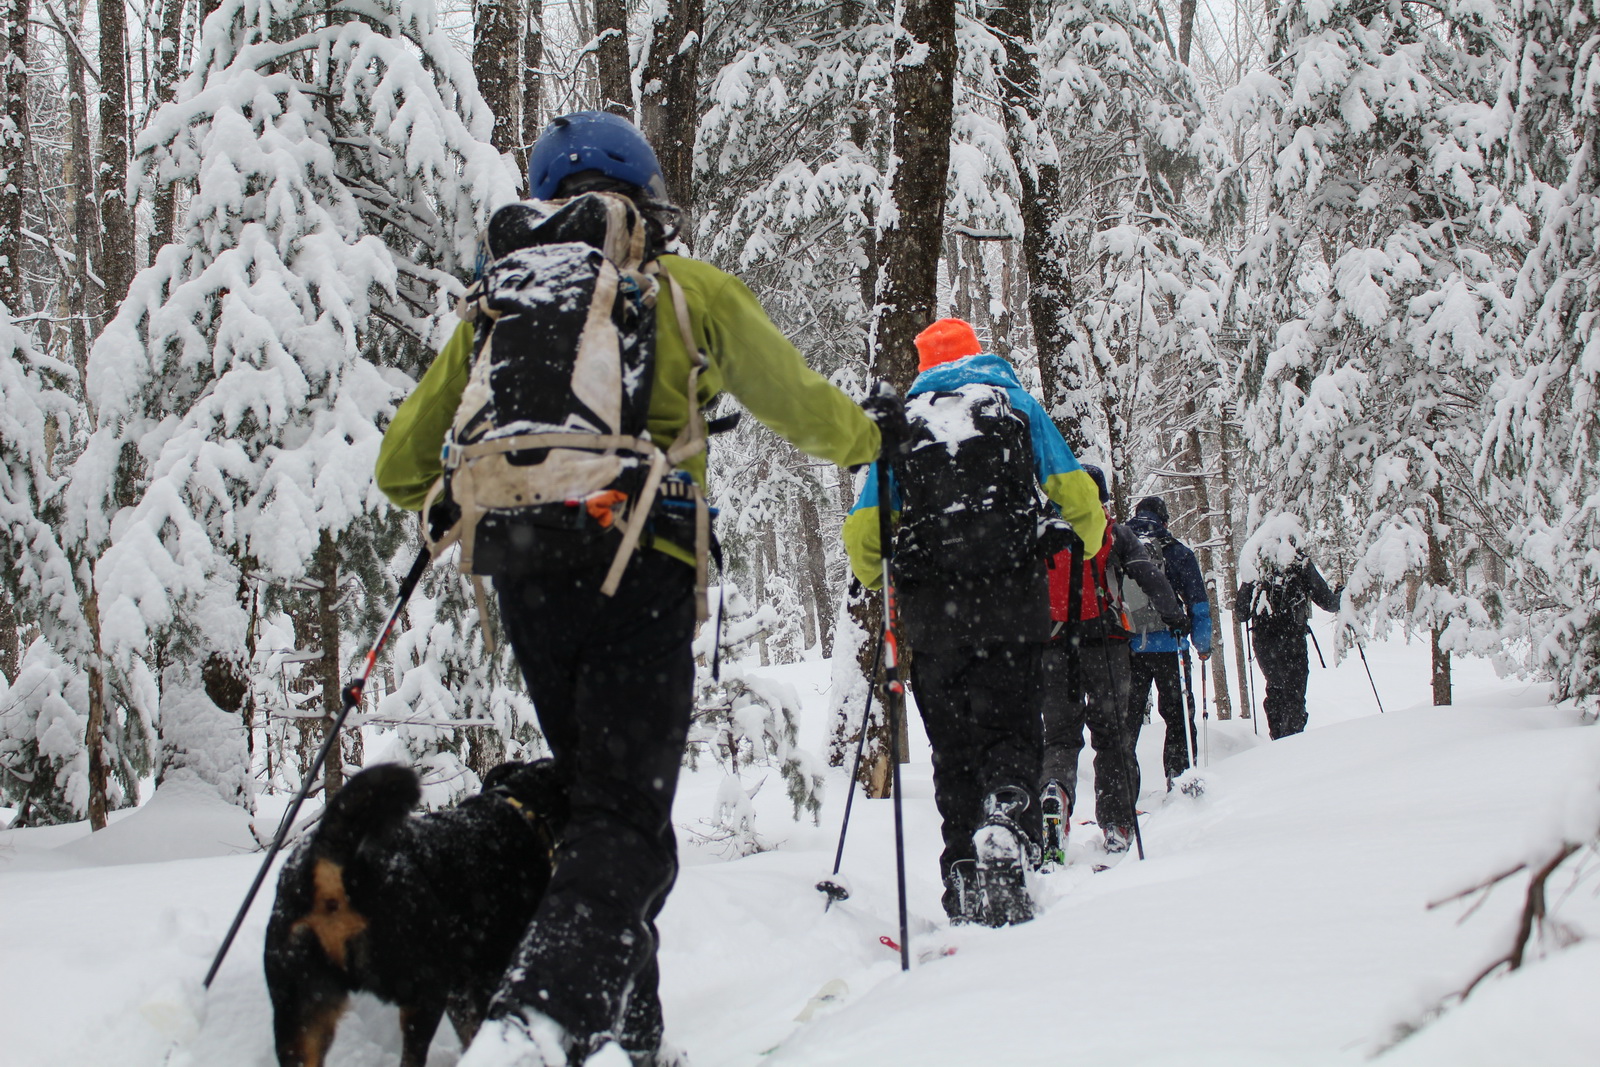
(1163, 669)
(980, 706)
(612, 680)
(1282, 655)
(1096, 695)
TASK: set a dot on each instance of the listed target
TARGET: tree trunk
(532, 79)
(169, 49)
(116, 219)
(1439, 578)
(94, 731)
(78, 208)
(324, 619)
(1043, 238)
(496, 57)
(821, 595)
(13, 153)
(611, 57)
(1186, 9)
(908, 250)
(669, 110)
(1205, 533)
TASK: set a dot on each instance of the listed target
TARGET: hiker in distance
(1155, 648)
(1280, 585)
(600, 578)
(1086, 677)
(968, 567)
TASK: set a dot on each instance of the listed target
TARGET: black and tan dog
(421, 912)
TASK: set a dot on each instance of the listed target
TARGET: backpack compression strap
(691, 441)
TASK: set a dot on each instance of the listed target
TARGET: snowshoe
(1053, 803)
(1118, 838)
(961, 893)
(1002, 886)
(524, 1039)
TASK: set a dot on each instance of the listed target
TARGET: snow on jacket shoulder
(1066, 483)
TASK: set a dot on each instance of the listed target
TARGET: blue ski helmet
(593, 140)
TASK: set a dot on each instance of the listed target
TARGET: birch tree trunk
(13, 152)
(78, 210)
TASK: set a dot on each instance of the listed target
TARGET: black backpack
(1280, 597)
(548, 465)
(969, 498)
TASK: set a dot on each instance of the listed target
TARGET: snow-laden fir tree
(1367, 292)
(341, 168)
(1539, 465)
(746, 723)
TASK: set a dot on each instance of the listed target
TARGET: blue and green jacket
(1067, 485)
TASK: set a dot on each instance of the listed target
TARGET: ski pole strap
(692, 441)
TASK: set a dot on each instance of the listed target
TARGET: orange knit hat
(945, 340)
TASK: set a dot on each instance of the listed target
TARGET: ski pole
(1250, 677)
(1205, 716)
(1188, 698)
(1361, 649)
(352, 700)
(1312, 634)
(893, 693)
(829, 887)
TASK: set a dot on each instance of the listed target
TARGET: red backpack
(1086, 582)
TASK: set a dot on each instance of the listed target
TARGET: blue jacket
(1183, 571)
(1067, 484)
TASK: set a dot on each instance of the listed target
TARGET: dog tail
(373, 800)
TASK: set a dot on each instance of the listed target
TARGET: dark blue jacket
(1183, 571)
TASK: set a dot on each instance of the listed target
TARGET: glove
(443, 515)
(884, 407)
(1179, 630)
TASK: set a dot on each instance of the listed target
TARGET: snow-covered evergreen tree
(341, 169)
(1539, 466)
(1368, 289)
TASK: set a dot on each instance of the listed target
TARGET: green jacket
(748, 357)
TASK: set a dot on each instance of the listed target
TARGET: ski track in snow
(1280, 919)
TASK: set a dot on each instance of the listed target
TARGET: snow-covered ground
(1280, 919)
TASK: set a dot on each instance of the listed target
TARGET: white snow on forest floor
(1279, 919)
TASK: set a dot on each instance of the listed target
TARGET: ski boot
(1004, 854)
(1053, 803)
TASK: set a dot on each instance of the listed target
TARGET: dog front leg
(418, 1024)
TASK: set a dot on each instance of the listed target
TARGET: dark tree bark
(817, 572)
(169, 48)
(94, 731)
(1439, 577)
(1186, 9)
(13, 152)
(318, 621)
(496, 57)
(78, 304)
(669, 98)
(116, 220)
(10, 644)
(1043, 238)
(908, 250)
(611, 57)
(532, 79)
